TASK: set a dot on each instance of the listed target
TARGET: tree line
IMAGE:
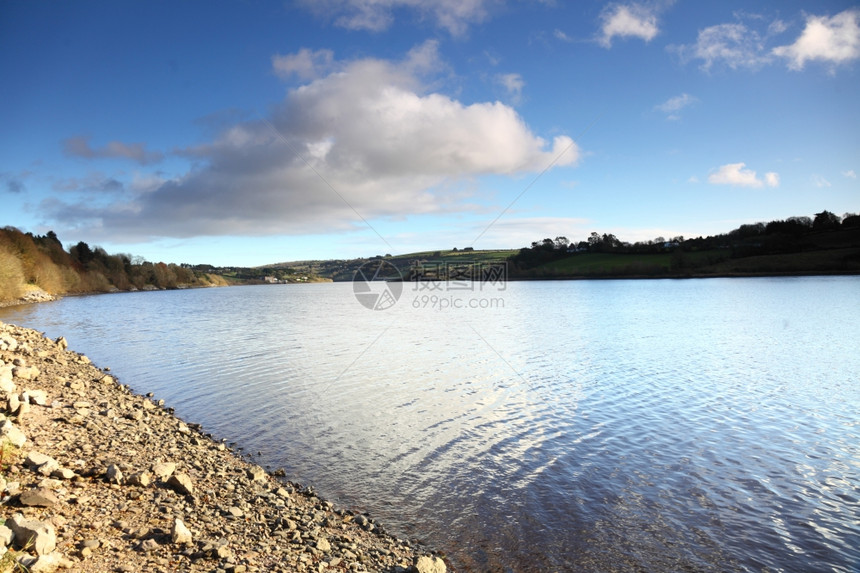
(775, 237)
(28, 260)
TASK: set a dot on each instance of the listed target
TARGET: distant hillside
(825, 244)
(30, 262)
(436, 264)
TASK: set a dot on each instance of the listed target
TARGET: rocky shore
(94, 478)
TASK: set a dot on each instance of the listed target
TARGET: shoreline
(95, 478)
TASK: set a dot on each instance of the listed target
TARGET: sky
(253, 132)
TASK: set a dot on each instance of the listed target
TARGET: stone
(43, 563)
(113, 474)
(51, 484)
(181, 483)
(8, 343)
(324, 545)
(11, 432)
(163, 470)
(37, 397)
(428, 564)
(6, 383)
(12, 402)
(26, 372)
(148, 545)
(32, 534)
(38, 497)
(62, 343)
(5, 536)
(140, 479)
(42, 463)
(63, 473)
(235, 511)
(180, 533)
(256, 473)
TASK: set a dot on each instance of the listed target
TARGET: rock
(148, 545)
(12, 402)
(428, 564)
(39, 497)
(38, 397)
(8, 343)
(42, 563)
(32, 534)
(235, 511)
(324, 545)
(181, 483)
(23, 410)
(5, 536)
(180, 534)
(11, 432)
(113, 474)
(163, 470)
(42, 463)
(6, 383)
(256, 473)
(62, 343)
(140, 479)
(26, 372)
(49, 483)
(63, 473)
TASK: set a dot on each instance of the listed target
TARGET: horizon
(238, 135)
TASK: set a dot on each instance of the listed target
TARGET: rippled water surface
(698, 425)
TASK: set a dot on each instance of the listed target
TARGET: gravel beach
(94, 478)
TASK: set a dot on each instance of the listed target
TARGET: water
(696, 425)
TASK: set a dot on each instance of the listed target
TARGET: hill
(40, 263)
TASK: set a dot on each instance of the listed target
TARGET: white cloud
(835, 40)
(560, 35)
(628, 21)
(514, 85)
(367, 138)
(734, 45)
(693, 179)
(673, 105)
(771, 179)
(306, 64)
(850, 174)
(820, 182)
(377, 15)
(735, 174)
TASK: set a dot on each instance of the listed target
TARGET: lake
(649, 425)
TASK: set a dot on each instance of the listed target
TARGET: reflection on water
(702, 425)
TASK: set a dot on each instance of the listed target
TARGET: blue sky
(245, 133)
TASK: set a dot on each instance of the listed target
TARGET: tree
(82, 253)
(561, 243)
(825, 220)
(850, 221)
